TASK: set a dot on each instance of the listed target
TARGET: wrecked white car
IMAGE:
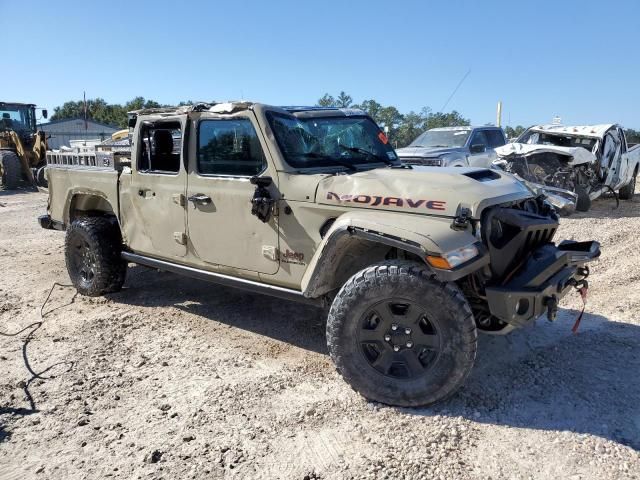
(573, 165)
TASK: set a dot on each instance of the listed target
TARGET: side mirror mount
(45, 114)
(262, 182)
(478, 148)
(262, 203)
(131, 121)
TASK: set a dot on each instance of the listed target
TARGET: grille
(428, 162)
(512, 234)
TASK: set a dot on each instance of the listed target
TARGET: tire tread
(416, 275)
(11, 170)
(104, 237)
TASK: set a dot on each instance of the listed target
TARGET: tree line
(100, 111)
(402, 128)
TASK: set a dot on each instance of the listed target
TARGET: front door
(221, 228)
(478, 156)
(155, 222)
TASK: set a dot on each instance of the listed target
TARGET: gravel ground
(174, 378)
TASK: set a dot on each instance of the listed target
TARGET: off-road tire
(583, 203)
(442, 302)
(41, 177)
(11, 170)
(92, 253)
(627, 192)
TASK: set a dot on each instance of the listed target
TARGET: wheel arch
(82, 203)
(455, 160)
(356, 241)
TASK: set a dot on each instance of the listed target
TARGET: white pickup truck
(586, 160)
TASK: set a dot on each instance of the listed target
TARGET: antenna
(455, 90)
(84, 108)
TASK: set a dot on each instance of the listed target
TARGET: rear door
(154, 212)
(228, 151)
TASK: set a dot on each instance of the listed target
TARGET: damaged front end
(559, 173)
(528, 273)
(552, 184)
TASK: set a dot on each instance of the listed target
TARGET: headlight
(452, 259)
(432, 162)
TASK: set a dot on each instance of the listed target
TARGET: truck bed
(67, 172)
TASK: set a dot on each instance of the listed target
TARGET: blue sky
(544, 58)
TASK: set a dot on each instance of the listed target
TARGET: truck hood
(575, 155)
(427, 152)
(423, 190)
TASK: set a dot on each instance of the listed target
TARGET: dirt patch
(174, 378)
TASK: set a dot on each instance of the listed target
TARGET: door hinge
(178, 199)
(180, 237)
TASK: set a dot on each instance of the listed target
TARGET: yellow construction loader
(22, 147)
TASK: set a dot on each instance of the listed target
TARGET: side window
(479, 138)
(495, 137)
(229, 147)
(160, 149)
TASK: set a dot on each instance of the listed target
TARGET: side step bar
(219, 278)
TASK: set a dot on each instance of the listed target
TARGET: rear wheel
(627, 192)
(399, 336)
(584, 201)
(11, 169)
(92, 253)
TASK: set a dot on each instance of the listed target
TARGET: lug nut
(396, 348)
(407, 331)
(394, 327)
(409, 344)
(387, 338)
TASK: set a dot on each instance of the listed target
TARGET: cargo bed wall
(83, 188)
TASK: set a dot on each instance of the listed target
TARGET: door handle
(200, 198)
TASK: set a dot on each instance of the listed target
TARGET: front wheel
(11, 169)
(399, 336)
(92, 253)
(583, 203)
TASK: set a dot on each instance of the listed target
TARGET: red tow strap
(583, 294)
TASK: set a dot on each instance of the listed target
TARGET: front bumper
(538, 285)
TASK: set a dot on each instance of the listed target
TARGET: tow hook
(584, 271)
(552, 307)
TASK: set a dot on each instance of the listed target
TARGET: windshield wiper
(333, 160)
(368, 153)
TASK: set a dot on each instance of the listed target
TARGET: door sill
(221, 279)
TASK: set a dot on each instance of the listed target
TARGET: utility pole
(499, 114)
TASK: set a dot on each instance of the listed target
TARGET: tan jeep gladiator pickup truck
(312, 204)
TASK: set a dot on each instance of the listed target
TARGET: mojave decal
(376, 200)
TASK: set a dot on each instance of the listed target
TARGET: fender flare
(88, 200)
(333, 261)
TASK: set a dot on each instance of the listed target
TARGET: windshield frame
(355, 163)
(453, 132)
